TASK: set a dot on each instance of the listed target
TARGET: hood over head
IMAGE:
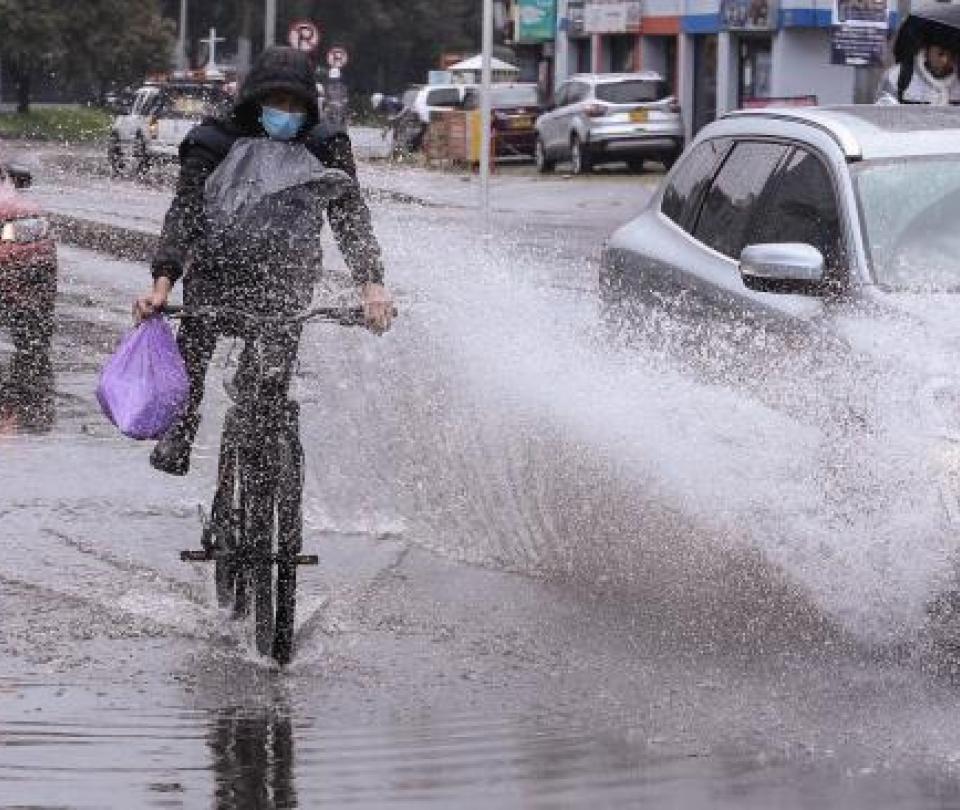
(283, 69)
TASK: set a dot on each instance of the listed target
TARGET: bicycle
(256, 521)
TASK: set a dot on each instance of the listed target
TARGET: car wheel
(115, 154)
(635, 165)
(544, 164)
(579, 156)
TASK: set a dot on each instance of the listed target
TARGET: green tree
(104, 53)
(30, 38)
(91, 43)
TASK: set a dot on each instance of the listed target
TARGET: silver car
(812, 256)
(607, 118)
(160, 118)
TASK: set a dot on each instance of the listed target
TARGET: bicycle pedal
(201, 555)
(308, 559)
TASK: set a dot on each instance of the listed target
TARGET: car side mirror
(785, 267)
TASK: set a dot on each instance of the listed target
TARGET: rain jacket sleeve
(349, 215)
(183, 226)
(887, 92)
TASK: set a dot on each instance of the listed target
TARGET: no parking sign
(304, 36)
(338, 58)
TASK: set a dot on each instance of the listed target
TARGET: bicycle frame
(256, 522)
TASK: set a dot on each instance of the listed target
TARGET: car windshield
(909, 211)
(192, 102)
(632, 91)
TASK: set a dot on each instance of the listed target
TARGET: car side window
(138, 102)
(730, 203)
(801, 206)
(151, 104)
(693, 175)
(562, 95)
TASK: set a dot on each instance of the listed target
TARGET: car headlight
(23, 231)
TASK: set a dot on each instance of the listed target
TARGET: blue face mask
(280, 124)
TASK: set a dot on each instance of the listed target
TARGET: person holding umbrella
(926, 50)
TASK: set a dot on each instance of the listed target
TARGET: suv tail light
(595, 110)
(153, 129)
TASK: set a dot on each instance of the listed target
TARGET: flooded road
(550, 577)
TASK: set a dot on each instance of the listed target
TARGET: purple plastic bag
(144, 385)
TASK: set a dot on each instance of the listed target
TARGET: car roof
(611, 78)
(872, 131)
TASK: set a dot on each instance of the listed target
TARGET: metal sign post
(486, 76)
(270, 24)
(181, 52)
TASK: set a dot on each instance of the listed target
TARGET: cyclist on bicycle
(273, 128)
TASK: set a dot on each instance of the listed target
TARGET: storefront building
(719, 55)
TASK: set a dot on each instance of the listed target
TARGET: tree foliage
(392, 43)
(88, 44)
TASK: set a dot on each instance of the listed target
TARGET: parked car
(16, 175)
(606, 118)
(28, 288)
(515, 109)
(160, 118)
(419, 102)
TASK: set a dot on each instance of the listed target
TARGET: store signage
(612, 16)
(748, 15)
(537, 20)
(859, 33)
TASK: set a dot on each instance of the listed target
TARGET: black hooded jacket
(277, 69)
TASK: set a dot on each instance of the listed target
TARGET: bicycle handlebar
(344, 316)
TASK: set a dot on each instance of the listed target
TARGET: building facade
(717, 55)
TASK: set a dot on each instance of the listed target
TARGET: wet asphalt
(505, 614)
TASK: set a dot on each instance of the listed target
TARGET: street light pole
(270, 24)
(181, 55)
(485, 115)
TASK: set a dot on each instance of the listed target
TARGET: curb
(121, 243)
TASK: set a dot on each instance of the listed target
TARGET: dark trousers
(273, 365)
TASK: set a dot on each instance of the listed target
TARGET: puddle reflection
(252, 754)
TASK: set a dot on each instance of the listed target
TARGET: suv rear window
(447, 97)
(632, 91)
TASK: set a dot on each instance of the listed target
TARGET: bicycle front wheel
(289, 534)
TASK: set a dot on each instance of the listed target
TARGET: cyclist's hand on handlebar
(377, 308)
(156, 299)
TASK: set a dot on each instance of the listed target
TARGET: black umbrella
(934, 24)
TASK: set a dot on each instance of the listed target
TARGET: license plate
(521, 123)
(639, 116)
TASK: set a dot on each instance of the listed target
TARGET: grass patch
(56, 124)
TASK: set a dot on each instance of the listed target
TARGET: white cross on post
(211, 42)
